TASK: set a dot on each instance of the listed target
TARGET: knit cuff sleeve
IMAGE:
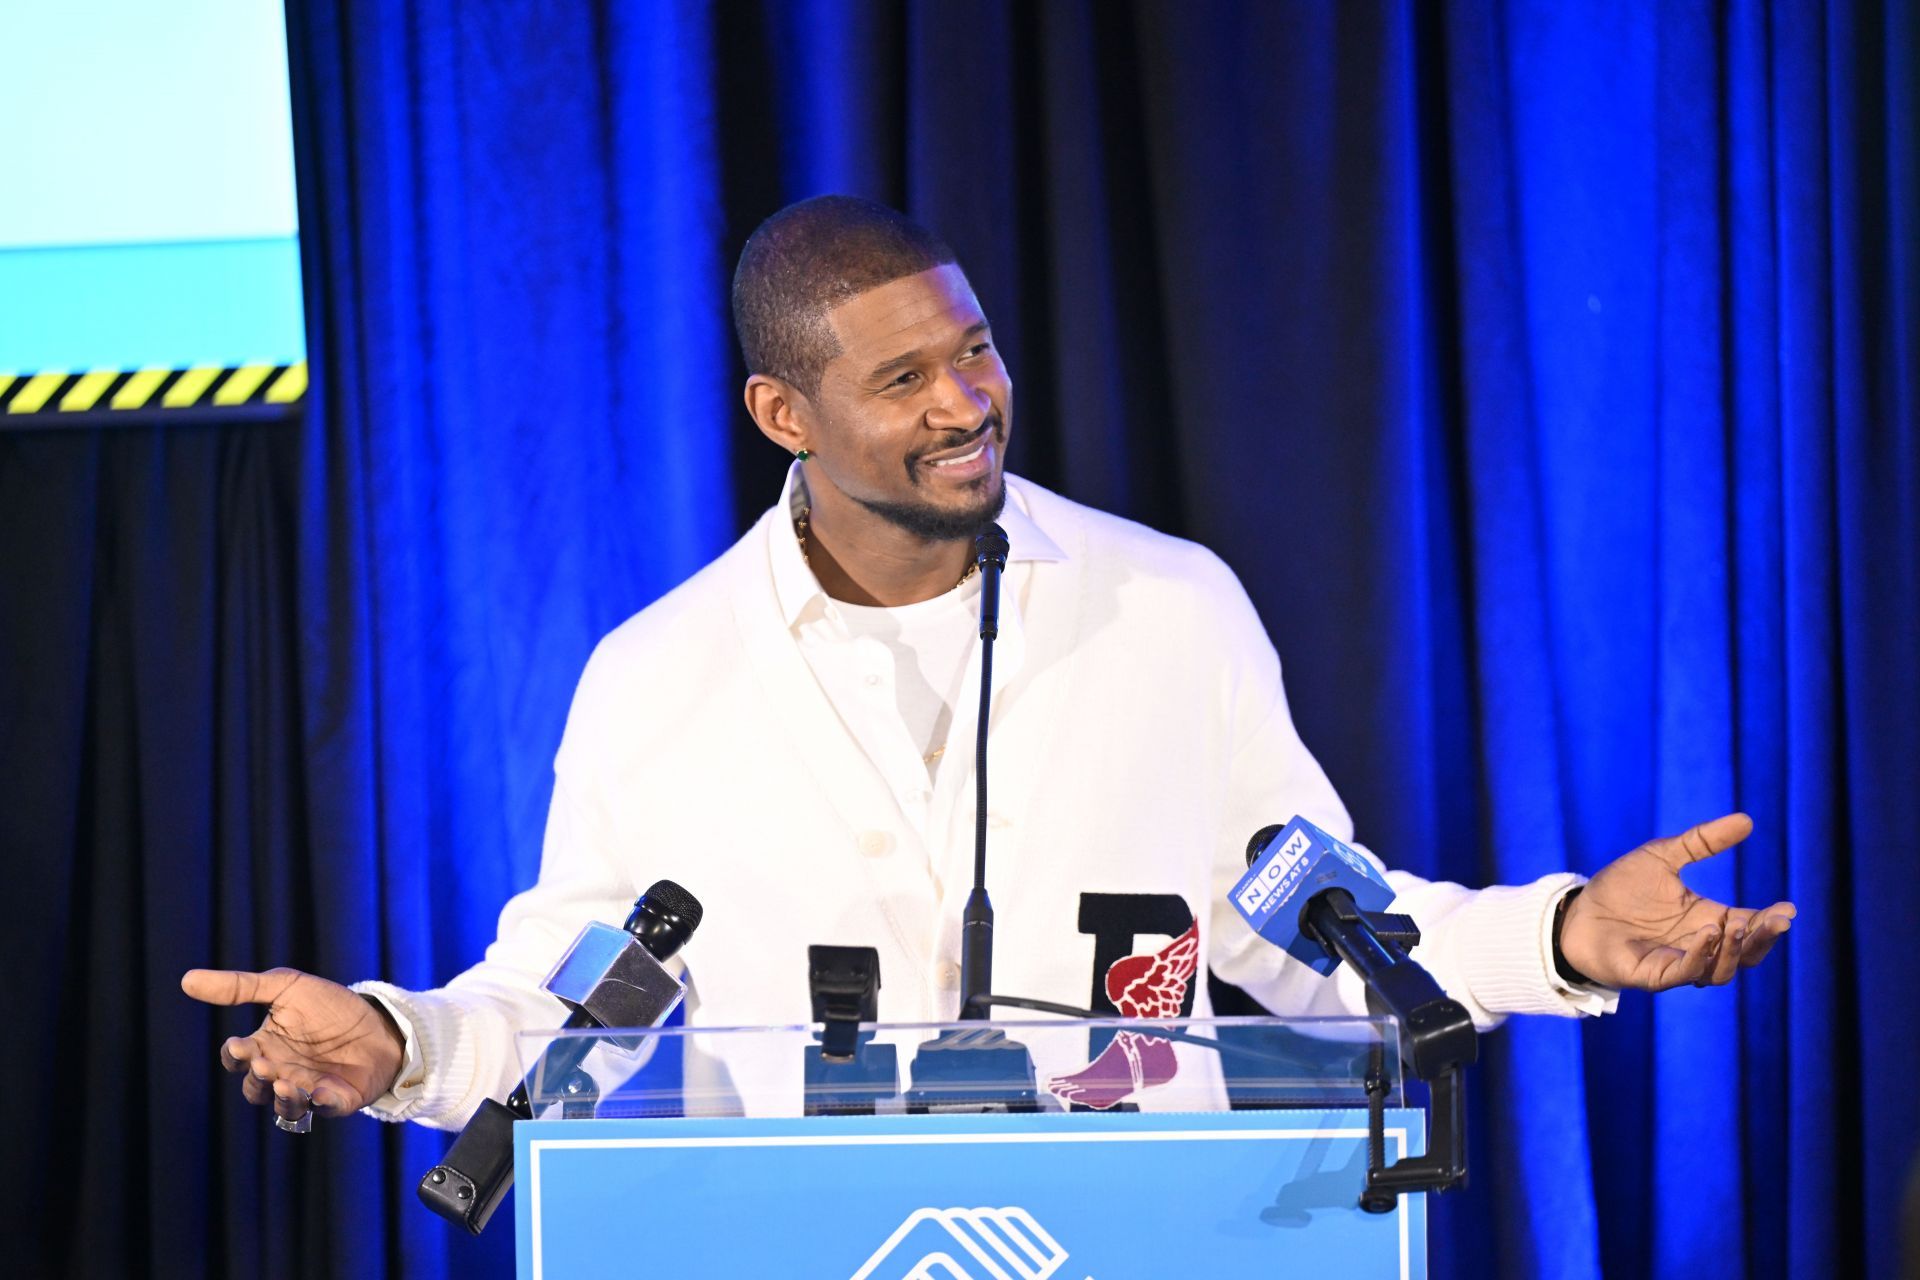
(1509, 969)
(438, 1071)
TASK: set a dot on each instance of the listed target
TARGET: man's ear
(781, 411)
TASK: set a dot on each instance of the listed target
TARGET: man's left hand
(1636, 924)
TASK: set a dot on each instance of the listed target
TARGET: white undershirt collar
(799, 592)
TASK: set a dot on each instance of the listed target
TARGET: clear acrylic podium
(1017, 1150)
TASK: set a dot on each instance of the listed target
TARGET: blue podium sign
(941, 1197)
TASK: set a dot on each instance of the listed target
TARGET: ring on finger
(299, 1124)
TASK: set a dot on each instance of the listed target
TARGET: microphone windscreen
(990, 545)
(671, 897)
(1261, 839)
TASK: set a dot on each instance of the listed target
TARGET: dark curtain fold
(1548, 374)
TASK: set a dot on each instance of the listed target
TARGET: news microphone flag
(1300, 861)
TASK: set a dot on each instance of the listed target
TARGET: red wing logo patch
(1153, 986)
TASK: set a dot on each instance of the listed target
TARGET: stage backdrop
(1549, 373)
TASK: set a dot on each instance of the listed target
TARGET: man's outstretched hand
(320, 1046)
(1636, 924)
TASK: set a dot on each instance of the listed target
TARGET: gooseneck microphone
(990, 554)
(977, 1070)
(608, 978)
(976, 923)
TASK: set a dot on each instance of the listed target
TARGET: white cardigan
(1140, 735)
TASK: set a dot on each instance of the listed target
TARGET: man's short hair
(808, 259)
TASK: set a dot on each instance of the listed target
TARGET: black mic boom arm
(1437, 1040)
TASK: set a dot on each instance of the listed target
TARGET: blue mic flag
(1298, 862)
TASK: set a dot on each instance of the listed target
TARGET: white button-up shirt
(905, 681)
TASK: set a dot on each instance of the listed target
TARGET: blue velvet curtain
(1549, 373)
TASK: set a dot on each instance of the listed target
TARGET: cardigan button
(947, 976)
(875, 844)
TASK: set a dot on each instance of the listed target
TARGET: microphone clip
(845, 984)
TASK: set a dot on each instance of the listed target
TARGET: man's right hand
(321, 1046)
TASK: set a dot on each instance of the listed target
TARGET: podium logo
(966, 1244)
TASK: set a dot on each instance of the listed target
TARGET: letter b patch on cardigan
(1155, 985)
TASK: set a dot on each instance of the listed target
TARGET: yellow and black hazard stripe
(93, 391)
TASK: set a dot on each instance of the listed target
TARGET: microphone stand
(1438, 1043)
(976, 923)
(979, 1070)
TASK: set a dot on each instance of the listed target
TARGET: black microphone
(608, 978)
(976, 923)
(990, 553)
(977, 1070)
(1308, 893)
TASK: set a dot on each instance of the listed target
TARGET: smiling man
(885, 385)
(789, 734)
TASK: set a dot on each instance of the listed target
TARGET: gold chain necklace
(800, 532)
